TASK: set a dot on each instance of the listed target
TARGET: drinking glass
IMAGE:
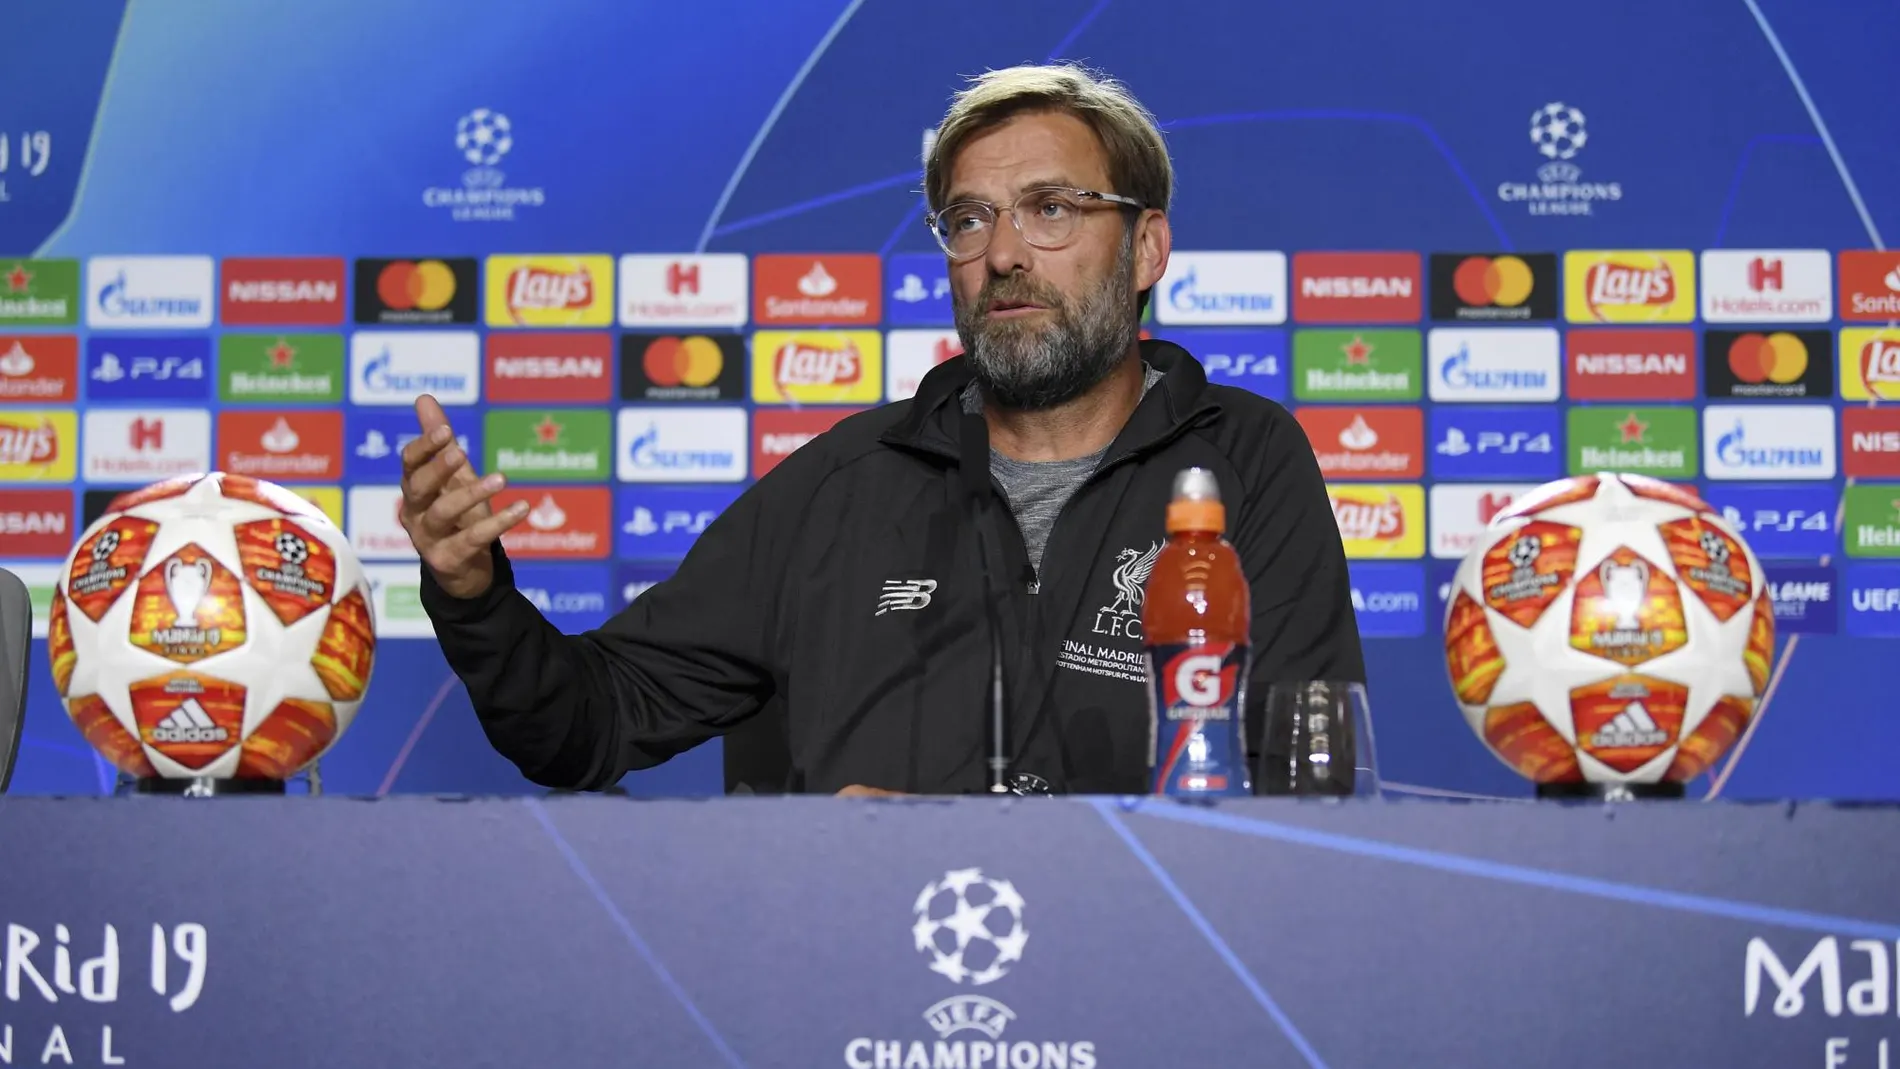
(1317, 740)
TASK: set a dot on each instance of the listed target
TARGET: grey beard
(1030, 367)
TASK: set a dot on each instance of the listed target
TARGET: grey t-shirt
(1037, 489)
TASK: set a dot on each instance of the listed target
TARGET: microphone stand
(975, 443)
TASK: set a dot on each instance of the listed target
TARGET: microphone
(975, 442)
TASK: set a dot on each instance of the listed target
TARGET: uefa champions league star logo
(1557, 130)
(970, 926)
(1559, 133)
(484, 137)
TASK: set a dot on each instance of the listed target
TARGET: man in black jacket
(841, 597)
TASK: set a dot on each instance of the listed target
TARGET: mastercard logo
(406, 285)
(1778, 357)
(1504, 281)
(689, 361)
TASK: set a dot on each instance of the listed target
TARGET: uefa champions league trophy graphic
(1624, 587)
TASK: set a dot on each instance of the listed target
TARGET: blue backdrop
(225, 128)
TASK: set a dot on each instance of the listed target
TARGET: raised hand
(445, 506)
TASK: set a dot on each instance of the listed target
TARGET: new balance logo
(900, 595)
(188, 723)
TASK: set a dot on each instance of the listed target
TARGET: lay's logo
(817, 367)
(1870, 364)
(810, 365)
(38, 446)
(1629, 287)
(1380, 521)
(550, 291)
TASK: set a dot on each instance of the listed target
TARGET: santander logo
(817, 282)
(797, 364)
(1610, 284)
(539, 289)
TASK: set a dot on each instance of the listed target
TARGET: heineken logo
(571, 444)
(1647, 441)
(281, 367)
(1871, 521)
(39, 292)
(1357, 365)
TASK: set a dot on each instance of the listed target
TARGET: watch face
(1028, 783)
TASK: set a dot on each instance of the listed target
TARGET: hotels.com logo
(682, 279)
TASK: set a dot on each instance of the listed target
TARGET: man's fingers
(451, 510)
(421, 486)
(436, 433)
(478, 535)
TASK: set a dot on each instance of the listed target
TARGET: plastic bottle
(1195, 617)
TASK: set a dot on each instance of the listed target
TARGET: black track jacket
(836, 605)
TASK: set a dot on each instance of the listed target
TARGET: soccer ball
(1557, 131)
(211, 626)
(1609, 630)
(970, 926)
(484, 137)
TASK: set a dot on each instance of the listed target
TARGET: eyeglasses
(1047, 218)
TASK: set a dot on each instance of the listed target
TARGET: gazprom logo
(1752, 442)
(1733, 449)
(1457, 373)
(1223, 289)
(381, 376)
(116, 301)
(393, 367)
(1494, 363)
(149, 291)
(1185, 295)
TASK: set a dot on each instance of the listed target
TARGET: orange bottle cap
(1190, 515)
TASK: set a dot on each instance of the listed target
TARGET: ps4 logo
(672, 521)
(157, 369)
(1775, 520)
(1234, 365)
(913, 290)
(1457, 443)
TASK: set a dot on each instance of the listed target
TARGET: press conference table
(589, 931)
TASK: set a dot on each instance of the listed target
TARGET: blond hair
(1138, 164)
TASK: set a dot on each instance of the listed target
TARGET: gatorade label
(1196, 729)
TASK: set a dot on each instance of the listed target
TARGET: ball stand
(206, 786)
(212, 786)
(1608, 792)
